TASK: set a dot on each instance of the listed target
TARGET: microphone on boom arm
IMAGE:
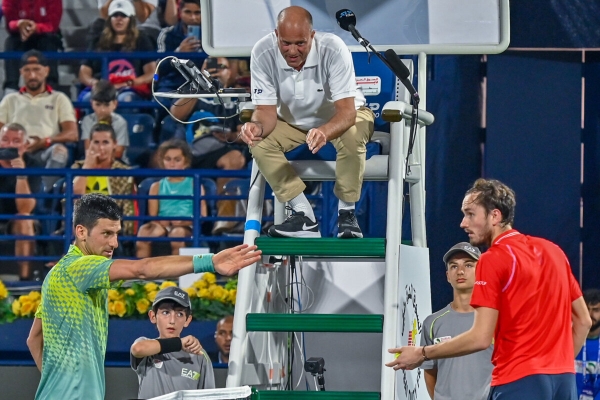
(347, 21)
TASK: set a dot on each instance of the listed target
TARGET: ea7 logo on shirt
(481, 283)
(188, 373)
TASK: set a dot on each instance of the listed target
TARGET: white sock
(300, 204)
(342, 205)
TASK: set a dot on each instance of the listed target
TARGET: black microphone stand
(414, 97)
(367, 45)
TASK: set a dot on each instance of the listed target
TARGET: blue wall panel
(453, 158)
(533, 141)
(591, 175)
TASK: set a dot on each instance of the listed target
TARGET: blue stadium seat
(141, 141)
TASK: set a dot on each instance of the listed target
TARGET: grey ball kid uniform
(458, 378)
(167, 373)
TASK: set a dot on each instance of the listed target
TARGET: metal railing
(49, 212)
(50, 209)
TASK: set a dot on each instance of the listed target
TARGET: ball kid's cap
(175, 294)
(463, 247)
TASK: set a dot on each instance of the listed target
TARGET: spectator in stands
(14, 136)
(31, 25)
(304, 90)
(223, 336)
(104, 102)
(176, 38)
(146, 15)
(172, 155)
(47, 115)
(170, 14)
(587, 362)
(100, 155)
(218, 146)
(131, 76)
(474, 371)
(170, 362)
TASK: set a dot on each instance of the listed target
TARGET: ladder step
(371, 323)
(298, 395)
(367, 247)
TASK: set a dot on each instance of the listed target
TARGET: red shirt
(529, 281)
(45, 13)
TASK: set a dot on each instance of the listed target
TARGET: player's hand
(315, 139)
(189, 44)
(251, 133)
(410, 358)
(191, 345)
(230, 261)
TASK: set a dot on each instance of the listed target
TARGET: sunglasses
(119, 15)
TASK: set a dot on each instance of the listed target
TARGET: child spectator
(104, 102)
(170, 363)
(172, 155)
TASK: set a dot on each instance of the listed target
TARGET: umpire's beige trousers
(349, 167)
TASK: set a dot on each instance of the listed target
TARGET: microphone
(347, 20)
(400, 71)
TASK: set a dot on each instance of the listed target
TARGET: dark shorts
(209, 160)
(537, 387)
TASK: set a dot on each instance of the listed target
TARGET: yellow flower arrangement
(3, 291)
(210, 300)
(26, 305)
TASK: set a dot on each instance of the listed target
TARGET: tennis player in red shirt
(525, 298)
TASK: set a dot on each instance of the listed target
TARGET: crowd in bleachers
(50, 132)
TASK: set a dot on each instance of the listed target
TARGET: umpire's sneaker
(347, 225)
(296, 225)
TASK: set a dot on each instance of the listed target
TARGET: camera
(9, 153)
(315, 365)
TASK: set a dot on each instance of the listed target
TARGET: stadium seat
(141, 141)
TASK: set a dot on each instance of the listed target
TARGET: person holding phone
(185, 37)
(13, 147)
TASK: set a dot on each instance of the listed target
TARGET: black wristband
(169, 345)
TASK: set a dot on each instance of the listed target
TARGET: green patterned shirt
(74, 313)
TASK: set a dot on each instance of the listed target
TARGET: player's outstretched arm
(226, 262)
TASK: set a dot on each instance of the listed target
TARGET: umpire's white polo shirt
(304, 98)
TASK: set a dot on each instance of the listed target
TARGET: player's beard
(595, 325)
